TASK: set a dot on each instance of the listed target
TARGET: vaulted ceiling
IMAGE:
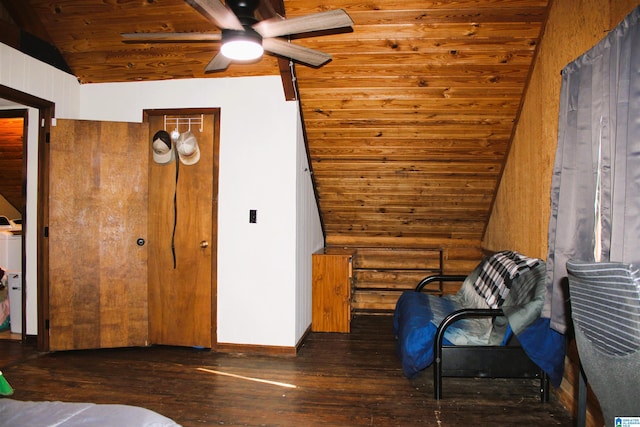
(408, 127)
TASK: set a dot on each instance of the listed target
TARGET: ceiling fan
(244, 37)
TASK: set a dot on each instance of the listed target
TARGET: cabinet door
(331, 293)
(97, 212)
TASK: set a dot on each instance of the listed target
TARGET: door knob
(204, 244)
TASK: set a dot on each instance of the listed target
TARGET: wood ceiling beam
(285, 65)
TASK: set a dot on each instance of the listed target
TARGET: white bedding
(14, 413)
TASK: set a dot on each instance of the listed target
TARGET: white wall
(309, 236)
(256, 262)
(259, 144)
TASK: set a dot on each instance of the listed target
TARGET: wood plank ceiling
(408, 126)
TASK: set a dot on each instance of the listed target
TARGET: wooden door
(97, 212)
(182, 238)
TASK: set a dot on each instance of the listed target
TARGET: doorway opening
(13, 134)
(33, 240)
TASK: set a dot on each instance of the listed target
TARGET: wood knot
(393, 44)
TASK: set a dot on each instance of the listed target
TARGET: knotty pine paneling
(381, 274)
(408, 127)
(88, 37)
(520, 217)
(11, 161)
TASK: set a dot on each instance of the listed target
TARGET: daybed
(490, 328)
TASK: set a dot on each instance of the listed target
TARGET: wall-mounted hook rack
(177, 121)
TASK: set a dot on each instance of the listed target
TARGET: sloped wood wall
(520, 217)
(11, 130)
(11, 159)
(384, 268)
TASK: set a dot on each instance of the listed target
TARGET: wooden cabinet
(331, 294)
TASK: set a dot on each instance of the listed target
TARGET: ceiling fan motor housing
(242, 45)
(245, 38)
(248, 34)
(244, 9)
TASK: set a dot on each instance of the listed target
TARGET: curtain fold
(595, 188)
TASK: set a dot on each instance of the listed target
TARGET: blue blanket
(416, 321)
(415, 332)
(545, 347)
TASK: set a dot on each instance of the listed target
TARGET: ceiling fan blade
(331, 19)
(298, 53)
(267, 11)
(217, 13)
(218, 63)
(170, 37)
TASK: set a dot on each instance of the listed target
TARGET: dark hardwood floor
(335, 380)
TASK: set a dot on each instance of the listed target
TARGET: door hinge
(46, 324)
(47, 137)
(46, 232)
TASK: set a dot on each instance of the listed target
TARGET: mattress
(14, 413)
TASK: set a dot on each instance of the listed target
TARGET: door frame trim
(46, 113)
(22, 113)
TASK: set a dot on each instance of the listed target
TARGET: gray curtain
(595, 189)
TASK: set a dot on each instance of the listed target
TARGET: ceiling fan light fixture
(241, 45)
